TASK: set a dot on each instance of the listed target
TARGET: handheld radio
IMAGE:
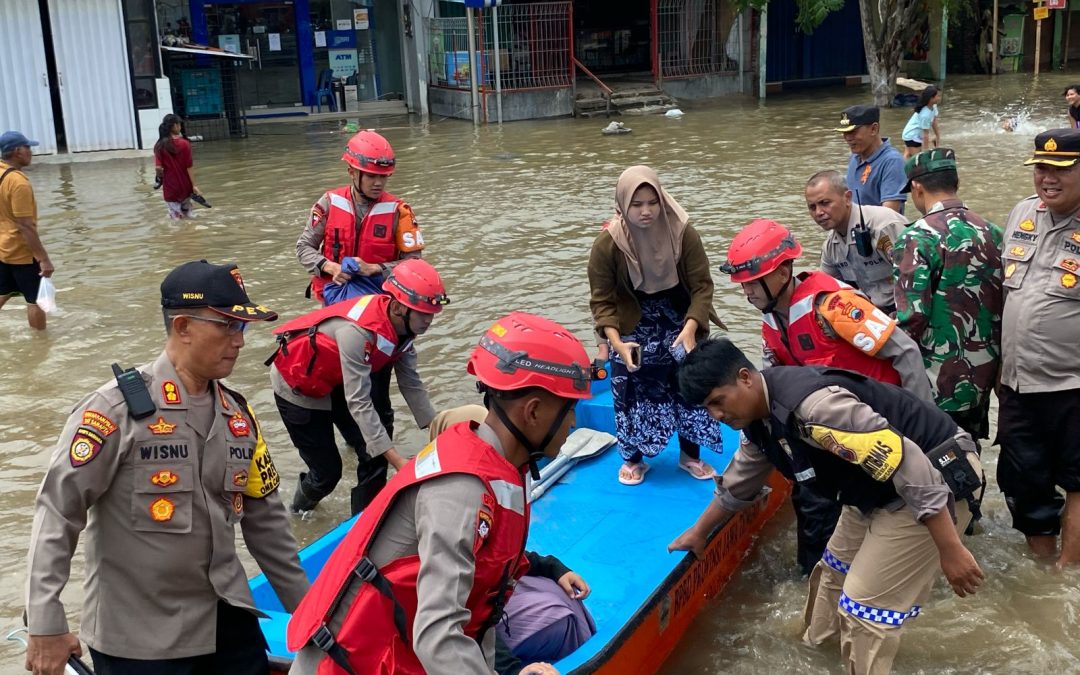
(136, 395)
(862, 234)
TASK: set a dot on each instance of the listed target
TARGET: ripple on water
(514, 235)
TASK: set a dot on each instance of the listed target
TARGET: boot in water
(301, 502)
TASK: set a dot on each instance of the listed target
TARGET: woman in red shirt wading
(173, 166)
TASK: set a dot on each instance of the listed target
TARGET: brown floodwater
(508, 215)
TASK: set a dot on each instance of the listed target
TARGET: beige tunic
(873, 276)
(160, 504)
(1040, 349)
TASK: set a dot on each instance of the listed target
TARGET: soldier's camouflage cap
(929, 161)
(1056, 147)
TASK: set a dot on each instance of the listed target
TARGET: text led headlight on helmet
(509, 361)
(754, 264)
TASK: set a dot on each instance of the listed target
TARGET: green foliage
(811, 12)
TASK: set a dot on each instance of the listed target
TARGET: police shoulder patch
(85, 446)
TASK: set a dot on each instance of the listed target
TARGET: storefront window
(143, 50)
(343, 34)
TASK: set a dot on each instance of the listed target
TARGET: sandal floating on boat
(698, 469)
(637, 472)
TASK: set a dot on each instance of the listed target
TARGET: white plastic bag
(46, 298)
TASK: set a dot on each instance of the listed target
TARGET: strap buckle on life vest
(324, 640)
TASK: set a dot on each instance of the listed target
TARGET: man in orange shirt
(23, 260)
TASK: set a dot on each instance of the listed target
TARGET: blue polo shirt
(878, 179)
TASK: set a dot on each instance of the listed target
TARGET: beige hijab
(448, 418)
(652, 252)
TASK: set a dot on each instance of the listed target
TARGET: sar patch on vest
(805, 341)
(877, 452)
(85, 446)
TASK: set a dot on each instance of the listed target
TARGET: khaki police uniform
(160, 499)
(879, 567)
(1040, 366)
(841, 259)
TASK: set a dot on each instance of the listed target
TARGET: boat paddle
(582, 444)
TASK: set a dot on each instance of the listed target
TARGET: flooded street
(508, 216)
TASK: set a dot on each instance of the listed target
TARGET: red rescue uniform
(372, 639)
(309, 361)
(386, 230)
(860, 332)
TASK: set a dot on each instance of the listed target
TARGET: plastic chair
(326, 77)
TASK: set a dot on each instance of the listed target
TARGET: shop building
(548, 51)
(298, 47)
(81, 75)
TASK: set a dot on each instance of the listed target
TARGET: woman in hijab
(651, 297)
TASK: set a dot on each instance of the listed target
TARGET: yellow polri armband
(263, 477)
(877, 452)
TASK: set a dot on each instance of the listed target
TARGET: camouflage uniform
(949, 300)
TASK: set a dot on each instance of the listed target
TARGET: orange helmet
(759, 248)
(369, 152)
(415, 284)
(524, 350)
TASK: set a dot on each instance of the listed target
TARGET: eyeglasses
(232, 326)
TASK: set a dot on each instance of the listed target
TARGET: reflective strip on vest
(383, 207)
(385, 346)
(359, 308)
(509, 496)
(770, 321)
(342, 203)
(804, 476)
(801, 309)
(836, 563)
(889, 617)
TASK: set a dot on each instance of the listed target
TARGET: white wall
(150, 118)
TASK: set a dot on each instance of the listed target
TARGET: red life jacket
(369, 634)
(309, 361)
(806, 343)
(375, 244)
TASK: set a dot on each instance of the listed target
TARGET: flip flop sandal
(697, 469)
(638, 478)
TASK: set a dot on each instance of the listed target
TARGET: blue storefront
(299, 45)
(833, 50)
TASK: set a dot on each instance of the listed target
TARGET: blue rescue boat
(615, 536)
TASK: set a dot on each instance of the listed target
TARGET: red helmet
(369, 152)
(415, 284)
(759, 248)
(524, 350)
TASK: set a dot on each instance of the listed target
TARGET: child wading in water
(174, 168)
(916, 134)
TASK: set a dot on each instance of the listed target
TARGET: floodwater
(508, 215)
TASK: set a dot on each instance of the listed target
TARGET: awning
(191, 49)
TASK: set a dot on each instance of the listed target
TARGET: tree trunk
(887, 25)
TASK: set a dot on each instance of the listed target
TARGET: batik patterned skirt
(648, 408)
